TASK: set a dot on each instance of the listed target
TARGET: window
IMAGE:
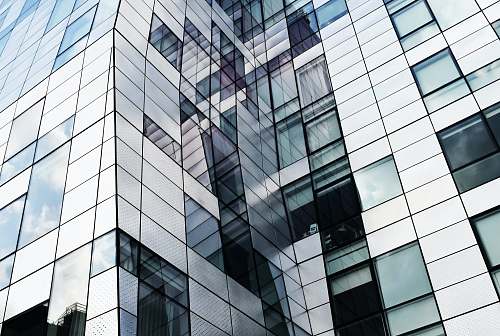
(28, 323)
(291, 144)
(103, 253)
(471, 148)
(303, 29)
(439, 80)
(166, 42)
(68, 298)
(10, 222)
(283, 87)
(330, 11)
(377, 183)
(44, 200)
(411, 18)
(322, 131)
(24, 129)
(18, 163)
(450, 12)
(487, 230)
(402, 275)
(299, 202)
(436, 71)
(6, 270)
(75, 38)
(313, 80)
(62, 9)
(484, 76)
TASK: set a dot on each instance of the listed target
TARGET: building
(249, 167)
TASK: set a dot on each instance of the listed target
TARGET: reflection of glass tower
(249, 168)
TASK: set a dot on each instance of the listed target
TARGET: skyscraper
(249, 167)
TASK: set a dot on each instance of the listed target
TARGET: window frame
(407, 6)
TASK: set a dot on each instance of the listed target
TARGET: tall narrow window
(291, 144)
(314, 81)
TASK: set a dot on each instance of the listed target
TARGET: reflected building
(249, 167)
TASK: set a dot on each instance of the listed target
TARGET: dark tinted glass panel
(355, 295)
(30, 323)
(373, 326)
(493, 117)
(467, 141)
(343, 233)
(478, 173)
(158, 315)
(337, 203)
(299, 201)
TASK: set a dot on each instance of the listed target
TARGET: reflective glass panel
(104, 253)
(322, 131)
(17, 163)
(402, 275)
(45, 193)
(61, 10)
(313, 80)
(291, 143)
(450, 12)
(378, 183)
(10, 221)
(6, 270)
(487, 229)
(68, 299)
(299, 202)
(435, 71)
(330, 12)
(466, 141)
(413, 315)
(411, 18)
(24, 129)
(78, 29)
(493, 118)
(54, 138)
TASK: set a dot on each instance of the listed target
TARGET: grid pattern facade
(249, 167)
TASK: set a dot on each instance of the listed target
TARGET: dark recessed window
(472, 148)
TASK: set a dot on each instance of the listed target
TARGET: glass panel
(10, 221)
(327, 155)
(6, 271)
(61, 10)
(129, 254)
(322, 131)
(493, 118)
(450, 12)
(166, 42)
(421, 35)
(373, 326)
(432, 331)
(402, 275)
(24, 129)
(291, 143)
(45, 194)
(496, 26)
(436, 71)
(412, 17)
(161, 139)
(330, 12)
(78, 29)
(283, 87)
(299, 202)
(314, 81)
(496, 279)
(484, 76)
(478, 173)
(466, 141)
(68, 299)
(355, 295)
(413, 315)
(378, 183)
(446, 95)
(158, 315)
(163, 277)
(104, 253)
(487, 229)
(346, 257)
(18, 163)
(54, 138)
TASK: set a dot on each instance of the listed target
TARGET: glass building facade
(249, 167)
